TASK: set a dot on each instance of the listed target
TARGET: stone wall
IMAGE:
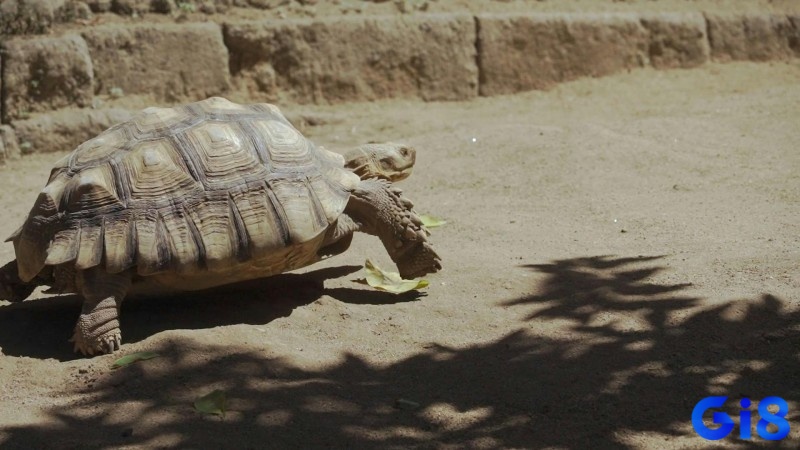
(50, 84)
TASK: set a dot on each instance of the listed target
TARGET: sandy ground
(616, 250)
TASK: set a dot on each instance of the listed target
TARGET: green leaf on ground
(212, 403)
(133, 357)
(390, 281)
(431, 221)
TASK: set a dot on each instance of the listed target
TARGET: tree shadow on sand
(599, 383)
(40, 328)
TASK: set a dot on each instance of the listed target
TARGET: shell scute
(119, 242)
(225, 155)
(91, 189)
(98, 149)
(156, 176)
(211, 220)
(90, 250)
(303, 214)
(219, 107)
(64, 246)
(184, 251)
(263, 219)
(152, 244)
(157, 122)
(287, 149)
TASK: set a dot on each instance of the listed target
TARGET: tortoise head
(387, 160)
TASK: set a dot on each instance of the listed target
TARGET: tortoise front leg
(381, 210)
(97, 329)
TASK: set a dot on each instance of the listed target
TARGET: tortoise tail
(12, 288)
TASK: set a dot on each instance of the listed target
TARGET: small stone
(405, 404)
(116, 92)
(163, 6)
(208, 8)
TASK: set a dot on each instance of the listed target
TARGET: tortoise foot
(88, 345)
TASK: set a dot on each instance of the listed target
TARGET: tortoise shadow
(41, 328)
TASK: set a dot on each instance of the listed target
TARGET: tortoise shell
(181, 189)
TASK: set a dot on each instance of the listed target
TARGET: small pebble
(402, 403)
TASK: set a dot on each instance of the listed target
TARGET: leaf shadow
(599, 382)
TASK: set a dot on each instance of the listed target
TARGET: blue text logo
(726, 424)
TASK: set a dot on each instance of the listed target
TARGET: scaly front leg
(381, 210)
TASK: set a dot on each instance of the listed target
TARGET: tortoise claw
(111, 343)
(106, 344)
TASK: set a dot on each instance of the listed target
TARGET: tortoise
(203, 195)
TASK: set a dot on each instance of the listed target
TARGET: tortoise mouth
(399, 174)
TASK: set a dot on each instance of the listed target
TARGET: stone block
(173, 62)
(677, 40)
(45, 73)
(65, 129)
(8, 143)
(356, 58)
(753, 37)
(27, 16)
(524, 52)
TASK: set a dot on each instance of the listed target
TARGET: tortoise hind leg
(12, 288)
(97, 329)
(381, 210)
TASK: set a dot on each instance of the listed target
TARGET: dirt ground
(616, 250)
